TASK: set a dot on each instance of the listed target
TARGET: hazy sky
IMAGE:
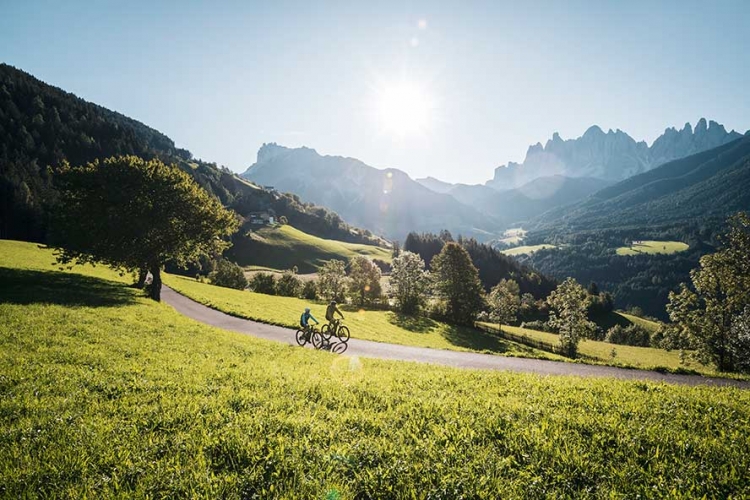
(486, 79)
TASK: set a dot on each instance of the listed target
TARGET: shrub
(229, 275)
(289, 285)
(263, 283)
(630, 335)
(310, 290)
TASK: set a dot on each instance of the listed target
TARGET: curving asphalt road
(366, 348)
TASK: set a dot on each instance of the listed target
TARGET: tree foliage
(332, 280)
(289, 285)
(131, 213)
(457, 283)
(409, 281)
(504, 301)
(263, 283)
(229, 275)
(364, 281)
(704, 319)
(569, 304)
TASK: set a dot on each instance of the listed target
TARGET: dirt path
(370, 349)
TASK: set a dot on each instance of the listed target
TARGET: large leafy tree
(332, 280)
(136, 214)
(504, 301)
(364, 281)
(457, 282)
(704, 319)
(409, 281)
(569, 315)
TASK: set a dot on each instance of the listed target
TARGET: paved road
(381, 350)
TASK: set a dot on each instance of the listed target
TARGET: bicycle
(335, 328)
(309, 334)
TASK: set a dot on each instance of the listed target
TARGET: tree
(289, 285)
(504, 301)
(310, 290)
(364, 281)
(457, 282)
(130, 213)
(229, 275)
(704, 319)
(409, 281)
(263, 283)
(332, 280)
(569, 304)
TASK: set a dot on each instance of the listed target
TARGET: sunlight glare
(404, 108)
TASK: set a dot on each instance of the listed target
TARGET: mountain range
(560, 173)
(708, 186)
(385, 201)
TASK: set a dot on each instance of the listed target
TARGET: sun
(404, 108)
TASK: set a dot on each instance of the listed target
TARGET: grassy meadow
(653, 247)
(284, 247)
(105, 394)
(625, 355)
(380, 326)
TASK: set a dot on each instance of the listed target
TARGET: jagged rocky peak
(270, 150)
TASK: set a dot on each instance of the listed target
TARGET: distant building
(261, 218)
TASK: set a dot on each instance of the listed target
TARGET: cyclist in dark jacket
(331, 310)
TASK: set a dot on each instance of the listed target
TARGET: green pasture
(106, 394)
(527, 249)
(653, 247)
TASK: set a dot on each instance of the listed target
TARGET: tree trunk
(142, 273)
(156, 283)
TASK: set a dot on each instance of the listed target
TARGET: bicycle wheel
(343, 334)
(325, 331)
(301, 337)
(318, 340)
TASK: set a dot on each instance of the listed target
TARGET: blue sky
(221, 78)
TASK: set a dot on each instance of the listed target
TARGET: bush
(289, 285)
(263, 283)
(541, 326)
(630, 335)
(310, 290)
(229, 275)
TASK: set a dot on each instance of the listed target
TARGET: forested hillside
(703, 188)
(41, 126)
(492, 265)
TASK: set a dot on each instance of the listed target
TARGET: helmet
(307, 309)
(333, 302)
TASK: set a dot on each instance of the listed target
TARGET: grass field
(284, 247)
(527, 249)
(380, 326)
(107, 394)
(653, 247)
(629, 356)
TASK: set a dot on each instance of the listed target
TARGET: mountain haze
(386, 201)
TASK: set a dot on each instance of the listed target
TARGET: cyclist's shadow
(335, 347)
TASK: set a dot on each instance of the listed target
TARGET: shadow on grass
(472, 338)
(459, 336)
(23, 286)
(416, 324)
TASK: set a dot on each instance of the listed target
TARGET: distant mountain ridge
(710, 185)
(385, 201)
(611, 156)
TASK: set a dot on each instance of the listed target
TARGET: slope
(285, 247)
(113, 395)
(41, 126)
(707, 186)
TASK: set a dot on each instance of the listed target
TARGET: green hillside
(107, 394)
(283, 247)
